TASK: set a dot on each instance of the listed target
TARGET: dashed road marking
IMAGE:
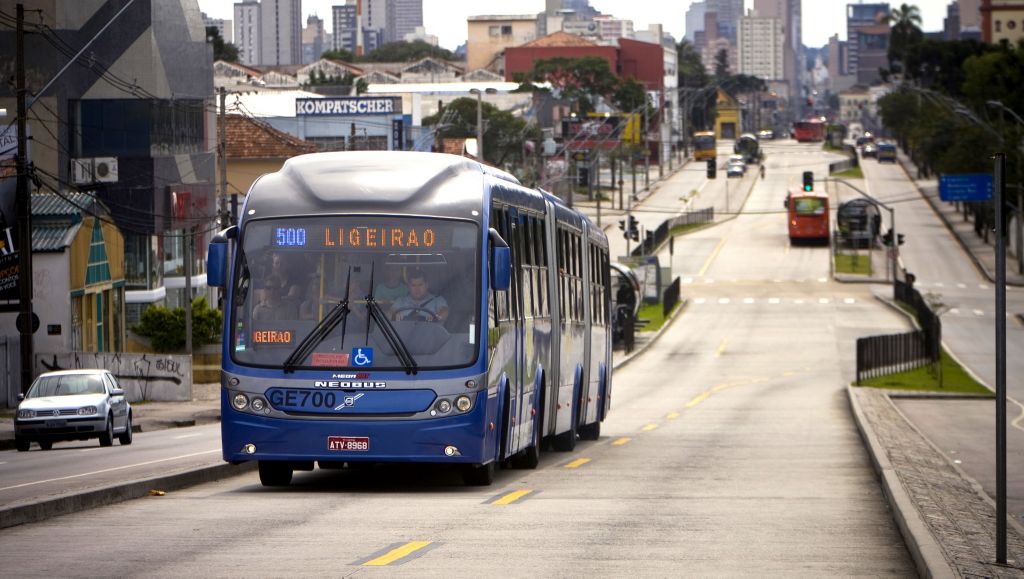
(699, 300)
(823, 300)
(511, 497)
(621, 441)
(577, 463)
(671, 416)
(955, 311)
(774, 301)
(687, 280)
(721, 347)
(748, 300)
(723, 300)
(398, 553)
(849, 301)
(979, 313)
(649, 427)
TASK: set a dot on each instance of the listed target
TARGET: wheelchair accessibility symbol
(362, 357)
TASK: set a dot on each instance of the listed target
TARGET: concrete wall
(158, 377)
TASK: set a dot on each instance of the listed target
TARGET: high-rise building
(760, 47)
(611, 28)
(695, 20)
(859, 16)
(374, 14)
(345, 24)
(313, 39)
(247, 32)
(970, 14)
(280, 32)
(223, 26)
(789, 14)
(729, 14)
(403, 17)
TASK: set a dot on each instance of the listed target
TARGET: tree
(906, 32)
(690, 68)
(722, 63)
(576, 79)
(406, 52)
(166, 327)
(340, 54)
(221, 50)
(630, 96)
(504, 133)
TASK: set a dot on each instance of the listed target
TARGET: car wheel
(126, 437)
(46, 444)
(275, 474)
(22, 444)
(107, 437)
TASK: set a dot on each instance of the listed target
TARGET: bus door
(517, 378)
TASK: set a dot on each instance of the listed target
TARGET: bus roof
(371, 181)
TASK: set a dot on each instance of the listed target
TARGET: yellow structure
(728, 116)
(489, 36)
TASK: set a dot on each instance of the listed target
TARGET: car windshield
(65, 385)
(293, 274)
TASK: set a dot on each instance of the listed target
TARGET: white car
(73, 405)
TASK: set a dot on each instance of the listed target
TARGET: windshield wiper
(390, 334)
(337, 315)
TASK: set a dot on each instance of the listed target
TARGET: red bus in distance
(807, 217)
(809, 131)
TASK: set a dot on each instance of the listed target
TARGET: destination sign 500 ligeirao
(359, 237)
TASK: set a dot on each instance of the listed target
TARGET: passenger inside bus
(270, 302)
(420, 304)
(392, 288)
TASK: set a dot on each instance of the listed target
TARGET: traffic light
(899, 239)
(808, 180)
(634, 229)
(712, 168)
(887, 238)
(622, 226)
(583, 176)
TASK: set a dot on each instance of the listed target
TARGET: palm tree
(906, 32)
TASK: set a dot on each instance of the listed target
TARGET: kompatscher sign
(347, 106)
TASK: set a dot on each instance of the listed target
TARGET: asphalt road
(730, 450)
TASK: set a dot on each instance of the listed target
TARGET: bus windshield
(809, 206)
(422, 273)
(703, 142)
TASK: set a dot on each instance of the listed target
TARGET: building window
(493, 30)
(999, 25)
(506, 31)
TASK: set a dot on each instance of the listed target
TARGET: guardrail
(889, 354)
(846, 164)
(699, 217)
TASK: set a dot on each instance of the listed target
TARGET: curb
(636, 352)
(924, 549)
(38, 511)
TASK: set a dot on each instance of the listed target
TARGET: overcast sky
(447, 18)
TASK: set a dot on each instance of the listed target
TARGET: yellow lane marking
(711, 258)
(621, 441)
(397, 553)
(672, 415)
(788, 374)
(721, 347)
(787, 249)
(649, 427)
(512, 497)
(698, 399)
(577, 463)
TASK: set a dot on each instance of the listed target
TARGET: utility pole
(647, 145)
(999, 190)
(24, 203)
(188, 286)
(661, 133)
(224, 163)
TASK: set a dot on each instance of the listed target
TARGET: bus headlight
(258, 404)
(463, 403)
(240, 401)
(444, 406)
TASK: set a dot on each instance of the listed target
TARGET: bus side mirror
(217, 258)
(500, 263)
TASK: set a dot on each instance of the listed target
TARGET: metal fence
(699, 217)
(889, 354)
(670, 298)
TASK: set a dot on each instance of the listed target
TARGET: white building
(611, 28)
(761, 47)
(223, 27)
(247, 32)
(280, 32)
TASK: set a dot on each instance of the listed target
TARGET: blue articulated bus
(408, 307)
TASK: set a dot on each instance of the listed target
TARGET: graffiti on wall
(142, 376)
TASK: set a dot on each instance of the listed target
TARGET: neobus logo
(339, 384)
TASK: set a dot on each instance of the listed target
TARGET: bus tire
(590, 431)
(566, 441)
(529, 458)
(275, 474)
(478, 475)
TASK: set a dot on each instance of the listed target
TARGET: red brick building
(642, 61)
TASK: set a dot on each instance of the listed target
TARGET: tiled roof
(49, 237)
(64, 205)
(249, 138)
(560, 39)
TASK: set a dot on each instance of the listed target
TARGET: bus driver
(420, 304)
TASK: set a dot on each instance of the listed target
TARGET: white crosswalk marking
(687, 280)
(961, 285)
(748, 300)
(822, 280)
(798, 301)
(699, 300)
(774, 300)
(849, 301)
(823, 300)
(955, 311)
(723, 300)
(979, 313)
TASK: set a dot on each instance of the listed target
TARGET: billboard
(8, 214)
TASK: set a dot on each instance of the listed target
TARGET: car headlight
(463, 403)
(26, 414)
(240, 401)
(87, 410)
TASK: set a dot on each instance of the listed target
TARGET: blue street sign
(965, 187)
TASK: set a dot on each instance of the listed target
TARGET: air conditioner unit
(104, 169)
(81, 171)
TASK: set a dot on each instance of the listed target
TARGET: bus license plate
(350, 443)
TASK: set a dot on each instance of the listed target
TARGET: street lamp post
(480, 119)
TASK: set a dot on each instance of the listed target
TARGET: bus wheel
(566, 442)
(478, 475)
(530, 458)
(590, 431)
(275, 474)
